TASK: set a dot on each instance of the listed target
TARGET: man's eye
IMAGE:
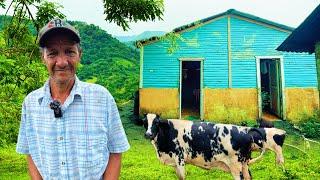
(70, 53)
(52, 54)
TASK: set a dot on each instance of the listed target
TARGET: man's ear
(42, 51)
(42, 57)
(80, 53)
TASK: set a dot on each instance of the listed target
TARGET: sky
(182, 12)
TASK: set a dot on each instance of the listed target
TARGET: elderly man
(69, 129)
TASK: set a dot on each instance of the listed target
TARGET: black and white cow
(207, 145)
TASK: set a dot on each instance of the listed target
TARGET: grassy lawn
(140, 161)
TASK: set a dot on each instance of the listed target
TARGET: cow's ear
(157, 116)
(157, 120)
(145, 114)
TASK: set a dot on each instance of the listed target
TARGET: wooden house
(226, 68)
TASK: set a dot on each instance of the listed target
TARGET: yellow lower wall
(301, 102)
(160, 101)
(230, 105)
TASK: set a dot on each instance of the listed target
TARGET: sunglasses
(56, 107)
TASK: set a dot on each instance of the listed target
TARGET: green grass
(140, 162)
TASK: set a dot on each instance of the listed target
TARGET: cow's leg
(278, 151)
(180, 171)
(180, 168)
(246, 171)
(236, 170)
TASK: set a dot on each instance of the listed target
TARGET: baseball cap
(54, 26)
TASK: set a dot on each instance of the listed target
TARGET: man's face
(61, 56)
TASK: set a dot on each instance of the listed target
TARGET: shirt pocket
(91, 152)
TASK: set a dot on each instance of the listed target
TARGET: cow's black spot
(241, 142)
(167, 140)
(279, 139)
(223, 149)
(204, 141)
(225, 130)
(241, 176)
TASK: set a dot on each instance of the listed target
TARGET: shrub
(310, 125)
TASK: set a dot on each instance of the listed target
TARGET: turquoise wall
(161, 69)
(300, 70)
(249, 40)
(210, 41)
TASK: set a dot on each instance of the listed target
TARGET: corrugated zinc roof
(228, 12)
(305, 36)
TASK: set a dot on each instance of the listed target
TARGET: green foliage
(119, 76)
(123, 11)
(311, 129)
(46, 12)
(172, 39)
(22, 16)
(21, 70)
(310, 125)
(2, 5)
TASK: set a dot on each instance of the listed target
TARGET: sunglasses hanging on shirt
(56, 107)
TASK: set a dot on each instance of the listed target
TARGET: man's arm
(113, 168)
(33, 171)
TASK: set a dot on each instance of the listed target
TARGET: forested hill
(105, 61)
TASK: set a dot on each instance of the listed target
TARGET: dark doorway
(271, 88)
(190, 89)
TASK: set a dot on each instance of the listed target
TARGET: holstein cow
(207, 145)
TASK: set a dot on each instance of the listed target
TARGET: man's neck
(61, 91)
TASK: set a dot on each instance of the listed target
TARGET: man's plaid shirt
(77, 145)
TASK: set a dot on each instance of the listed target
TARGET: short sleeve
(117, 139)
(22, 144)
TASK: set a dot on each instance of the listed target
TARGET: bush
(310, 129)
(310, 126)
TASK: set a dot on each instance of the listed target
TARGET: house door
(275, 88)
(190, 89)
(271, 89)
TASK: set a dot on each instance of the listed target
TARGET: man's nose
(62, 61)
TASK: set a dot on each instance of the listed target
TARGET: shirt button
(63, 163)
(60, 138)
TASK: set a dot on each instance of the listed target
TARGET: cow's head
(269, 138)
(151, 124)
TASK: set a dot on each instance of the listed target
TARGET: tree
(120, 12)
(124, 11)
(21, 69)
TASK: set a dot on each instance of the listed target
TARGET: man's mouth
(62, 69)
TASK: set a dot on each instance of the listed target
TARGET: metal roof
(226, 13)
(305, 36)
